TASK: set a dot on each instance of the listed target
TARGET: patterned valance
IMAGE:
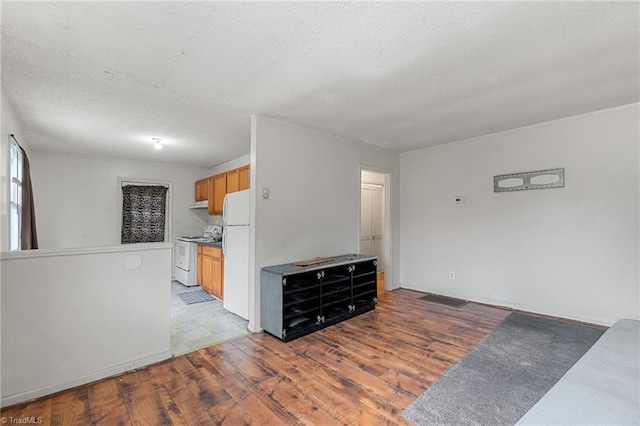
(143, 213)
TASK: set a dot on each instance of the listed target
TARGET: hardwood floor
(363, 371)
(381, 283)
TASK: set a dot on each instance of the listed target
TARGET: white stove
(186, 254)
(197, 239)
(186, 257)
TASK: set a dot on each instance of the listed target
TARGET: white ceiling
(103, 78)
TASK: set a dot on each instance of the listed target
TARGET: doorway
(374, 215)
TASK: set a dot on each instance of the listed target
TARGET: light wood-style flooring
(381, 283)
(363, 371)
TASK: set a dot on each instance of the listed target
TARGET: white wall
(74, 316)
(314, 203)
(570, 252)
(231, 164)
(77, 202)
(10, 125)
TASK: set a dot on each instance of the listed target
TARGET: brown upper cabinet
(217, 191)
(243, 178)
(202, 189)
(238, 179)
(232, 181)
(214, 188)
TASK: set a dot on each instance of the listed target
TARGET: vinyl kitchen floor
(201, 324)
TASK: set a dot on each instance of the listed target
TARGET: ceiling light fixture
(157, 144)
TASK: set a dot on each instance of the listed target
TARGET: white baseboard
(252, 328)
(87, 378)
(522, 307)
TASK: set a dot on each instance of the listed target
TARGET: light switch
(265, 193)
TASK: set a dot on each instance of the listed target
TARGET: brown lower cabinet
(199, 266)
(210, 272)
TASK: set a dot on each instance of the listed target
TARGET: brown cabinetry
(214, 188)
(217, 191)
(211, 270)
(243, 178)
(202, 190)
(207, 274)
(238, 179)
(232, 181)
(217, 274)
(199, 266)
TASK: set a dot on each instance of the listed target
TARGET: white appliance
(186, 256)
(235, 247)
(200, 205)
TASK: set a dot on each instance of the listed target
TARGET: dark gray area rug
(505, 374)
(195, 296)
(444, 300)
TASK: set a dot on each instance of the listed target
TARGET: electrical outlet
(452, 275)
(265, 193)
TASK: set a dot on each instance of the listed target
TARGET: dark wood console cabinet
(296, 300)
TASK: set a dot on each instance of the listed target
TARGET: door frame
(372, 187)
(388, 220)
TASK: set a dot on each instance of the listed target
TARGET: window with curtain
(16, 196)
(22, 214)
(143, 213)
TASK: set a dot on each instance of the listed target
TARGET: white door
(365, 220)
(372, 222)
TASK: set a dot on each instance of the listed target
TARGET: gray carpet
(505, 374)
(195, 296)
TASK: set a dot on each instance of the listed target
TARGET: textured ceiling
(103, 78)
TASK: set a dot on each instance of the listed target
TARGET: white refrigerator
(235, 247)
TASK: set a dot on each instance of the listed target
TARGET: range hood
(200, 205)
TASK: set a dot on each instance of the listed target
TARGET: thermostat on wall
(458, 199)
